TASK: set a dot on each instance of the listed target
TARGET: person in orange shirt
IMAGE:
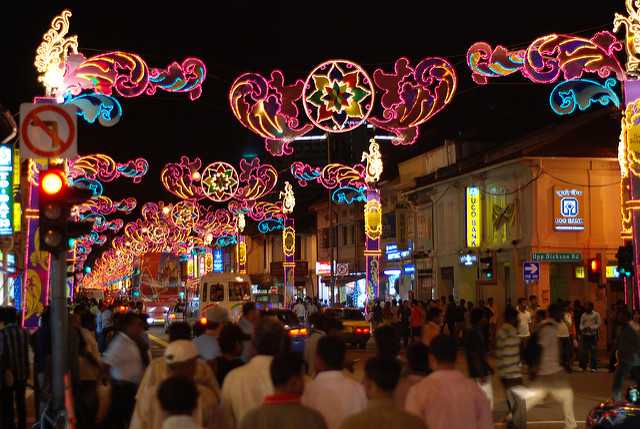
(433, 326)
(417, 320)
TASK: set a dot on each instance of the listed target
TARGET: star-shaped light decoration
(220, 181)
(338, 96)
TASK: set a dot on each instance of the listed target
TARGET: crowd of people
(220, 374)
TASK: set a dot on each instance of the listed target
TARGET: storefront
(399, 272)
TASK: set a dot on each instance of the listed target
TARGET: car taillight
(365, 330)
(303, 331)
(294, 332)
(203, 320)
(122, 309)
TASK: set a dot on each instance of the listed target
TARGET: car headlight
(150, 320)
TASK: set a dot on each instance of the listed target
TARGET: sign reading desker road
(567, 205)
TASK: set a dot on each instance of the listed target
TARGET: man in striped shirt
(15, 356)
(508, 355)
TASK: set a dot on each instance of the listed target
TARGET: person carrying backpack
(549, 378)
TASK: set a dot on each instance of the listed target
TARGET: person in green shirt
(283, 409)
(381, 378)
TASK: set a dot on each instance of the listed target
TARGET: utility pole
(332, 242)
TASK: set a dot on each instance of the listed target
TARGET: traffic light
(56, 198)
(595, 270)
(488, 268)
(625, 260)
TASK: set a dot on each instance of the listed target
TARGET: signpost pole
(59, 329)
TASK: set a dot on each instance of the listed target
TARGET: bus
(230, 290)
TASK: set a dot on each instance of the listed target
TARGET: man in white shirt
(104, 324)
(300, 310)
(589, 329)
(125, 361)
(332, 393)
(245, 387)
(566, 344)
(524, 323)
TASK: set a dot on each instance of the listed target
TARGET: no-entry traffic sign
(48, 131)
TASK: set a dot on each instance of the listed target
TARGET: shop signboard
(557, 256)
(612, 272)
(567, 208)
(6, 190)
(468, 259)
(474, 217)
(218, 263)
(323, 268)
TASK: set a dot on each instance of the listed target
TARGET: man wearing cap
(158, 370)
(181, 357)
(207, 343)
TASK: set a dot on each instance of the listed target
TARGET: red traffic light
(52, 182)
(594, 265)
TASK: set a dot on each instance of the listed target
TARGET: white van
(230, 290)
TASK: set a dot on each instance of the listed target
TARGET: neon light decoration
(412, 96)
(51, 55)
(92, 106)
(288, 199)
(349, 195)
(373, 219)
(330, 176)
(185, 77)
(267, 226)
(632, 28)
(103, 167)
(183, 179)
(92, 185)
(289, 241)
(268, 108)
(582, 93)
(220, 181)
(88, 83)
(374, 163)
(226, 240)
(185, 215)
(486, 62)
(338, 96)
(259, 179)
(549, 57)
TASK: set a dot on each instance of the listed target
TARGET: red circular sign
(63, 145)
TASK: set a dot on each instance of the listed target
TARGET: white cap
(180, 351)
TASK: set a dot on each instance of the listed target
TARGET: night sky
(239, 36)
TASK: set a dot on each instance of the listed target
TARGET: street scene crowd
(216, 373)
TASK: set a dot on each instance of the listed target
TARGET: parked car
(298, 332)
(355, 328)
(617, 414)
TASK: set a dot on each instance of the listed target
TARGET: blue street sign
(531, 271)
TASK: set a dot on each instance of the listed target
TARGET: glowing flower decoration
(220, 181)
(184, 214)
(338, 96)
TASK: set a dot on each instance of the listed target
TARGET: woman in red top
(417, 320)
